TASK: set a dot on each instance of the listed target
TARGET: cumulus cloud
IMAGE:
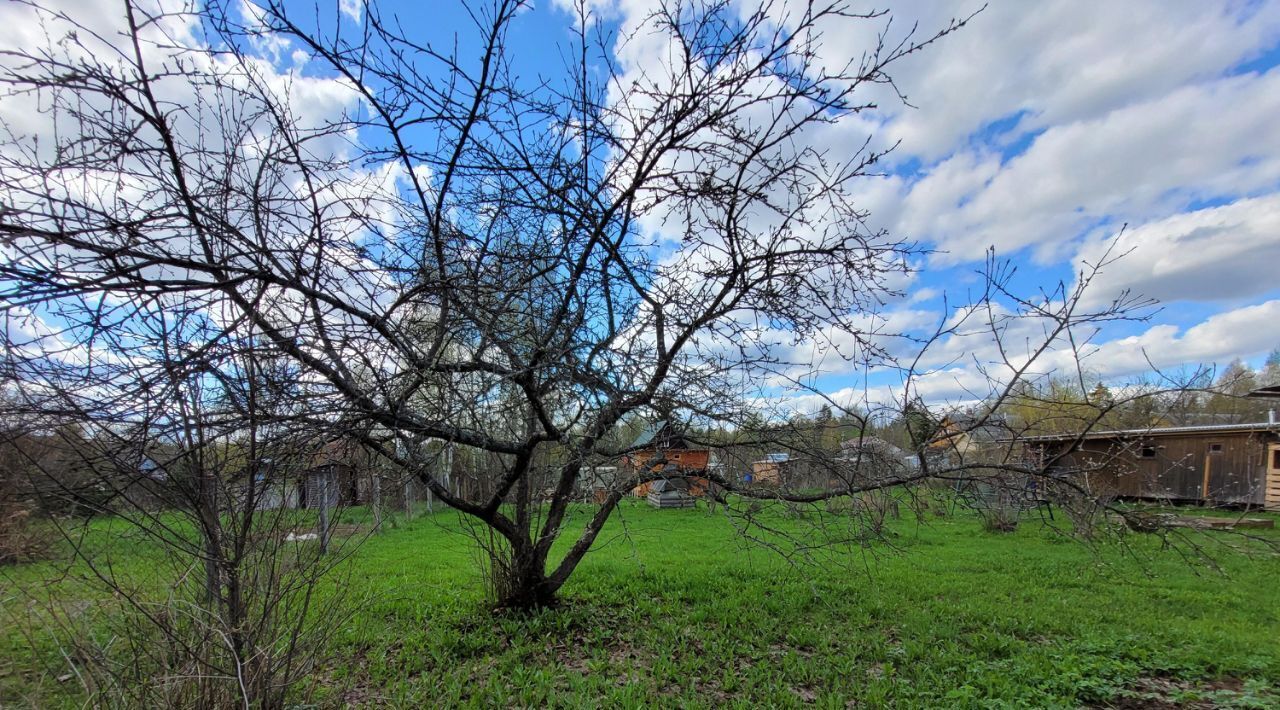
(1243, 332)
(1213, 254)
(220, 108)
(971, 364)
(1040, 131)
(352, 8)
(1063, 61)
(1214, 139)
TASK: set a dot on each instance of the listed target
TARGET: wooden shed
(772, 470)
(338, 474)
(1230, 464)
(328, 485)
(662, 447)
(963, 435)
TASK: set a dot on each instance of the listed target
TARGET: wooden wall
(684, 459)
(1174, 467)
(768, 473)
(687, 461)
(1273, 477)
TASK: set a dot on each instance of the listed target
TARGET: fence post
(324, 514)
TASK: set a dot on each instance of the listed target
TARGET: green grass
(682, 612)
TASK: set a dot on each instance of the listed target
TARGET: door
(1272, 498)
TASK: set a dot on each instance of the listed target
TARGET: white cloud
(970, 366)
(1134, 117)
(1244, 332)
(223, 135)
(1136, 163)
(1135, 120)
(352, 8)
(1207, 255)
(1062, 61)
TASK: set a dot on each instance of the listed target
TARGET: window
(1275, 458)
(1148, 452)
(1215, 448)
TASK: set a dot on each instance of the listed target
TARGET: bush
(20, 538)
(1003, 520)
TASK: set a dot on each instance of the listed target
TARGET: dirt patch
(361, 696)
(1160, 693)
(805, 693)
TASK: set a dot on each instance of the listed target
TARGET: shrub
(20, 538)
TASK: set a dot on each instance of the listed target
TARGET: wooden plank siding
(1211, 467)
(687, 462)
(1272, 499)
(683, 459)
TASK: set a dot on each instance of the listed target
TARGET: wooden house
(662, 448)
(1228, 464)
(596, 483)
(964, 435)
(328, 485)
(269, 488)
(870, 459)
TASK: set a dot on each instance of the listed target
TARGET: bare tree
(171, 412)
(201, 461)
(483, 276)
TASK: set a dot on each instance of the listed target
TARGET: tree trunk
(516, 575)
(524, 585)
(520, 578)
(212, 540)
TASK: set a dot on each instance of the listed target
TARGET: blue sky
(1041, 129)
(1200, 205)
(1038, 130)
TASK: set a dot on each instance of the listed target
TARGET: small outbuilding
(673, 493)
(1228, 464)
(870, 459)
(328, 485)
(772, 470)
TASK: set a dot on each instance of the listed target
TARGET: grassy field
(682, 612)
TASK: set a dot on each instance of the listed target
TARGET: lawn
(681, 611)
